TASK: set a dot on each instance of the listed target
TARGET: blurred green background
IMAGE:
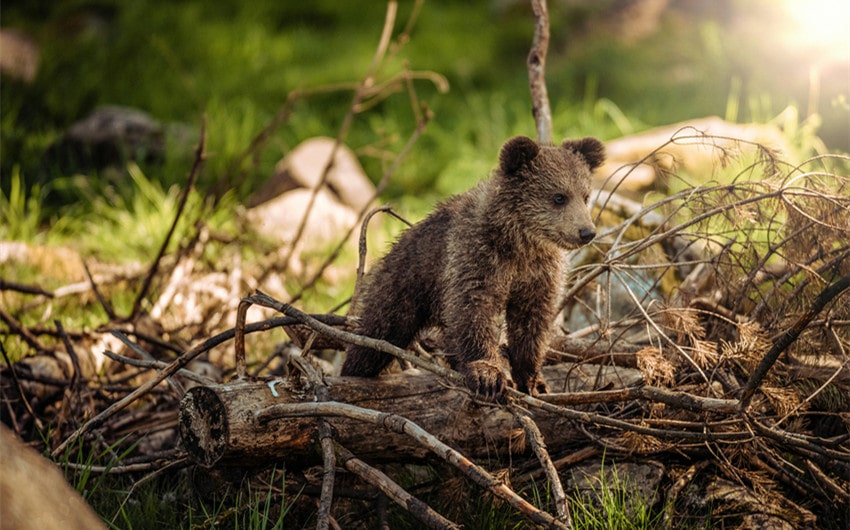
(615, 67)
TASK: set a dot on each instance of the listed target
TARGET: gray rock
(109, 136)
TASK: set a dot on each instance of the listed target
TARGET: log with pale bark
(235, 424)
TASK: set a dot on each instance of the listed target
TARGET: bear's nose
(586, 235)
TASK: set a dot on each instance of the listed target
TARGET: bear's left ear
(516, 153)
(589, 148)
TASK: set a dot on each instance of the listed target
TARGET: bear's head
(550, 186)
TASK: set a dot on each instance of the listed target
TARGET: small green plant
(20, 211)
(249, 508)
(612, 503)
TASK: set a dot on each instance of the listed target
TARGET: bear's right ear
(517, 152)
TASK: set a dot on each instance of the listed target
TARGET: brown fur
(493, 252)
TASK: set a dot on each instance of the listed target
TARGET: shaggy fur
(490, 254)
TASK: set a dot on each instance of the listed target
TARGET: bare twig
(239, 342)
(537, 72)
(159, 464)
(385, 178)
(326, 441)
(21, 331)
(263, 136)
(328, 475)
(158, 365)
(362, 89)
(145, 387)
(38, 423)
(107, 307)
(265, 300)
(452, 376)
(6, 285)
(414, 506)
(362, 250)
(184, 197)
(788, 338)
(538, 445)
(69, 349)
(682, 400)
(361, 255)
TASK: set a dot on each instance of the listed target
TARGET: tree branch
(789, 337)
(537, 72)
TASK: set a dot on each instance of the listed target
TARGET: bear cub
(492, 254)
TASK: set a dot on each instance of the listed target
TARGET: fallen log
(224, 425)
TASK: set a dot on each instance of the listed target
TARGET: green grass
(613, 504)
(129, 502)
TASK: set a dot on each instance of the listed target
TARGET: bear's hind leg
(398, 327)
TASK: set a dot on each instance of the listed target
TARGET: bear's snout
(586, 235)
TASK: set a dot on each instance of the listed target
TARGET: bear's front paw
(533, 385)
(486, 379)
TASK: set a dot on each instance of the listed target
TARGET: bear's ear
(517, 152)
(589, 148)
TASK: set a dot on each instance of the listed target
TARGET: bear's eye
(560, 199)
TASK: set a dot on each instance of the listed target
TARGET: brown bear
(494, 252)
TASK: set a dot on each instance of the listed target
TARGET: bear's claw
(486, 379)
(534, 386)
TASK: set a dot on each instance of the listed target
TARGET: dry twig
(200, 155)
(537, 72)
(533, 434)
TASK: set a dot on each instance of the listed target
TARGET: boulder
(34, 493)
(280, 217)
(303, 168)
(20, 56)
(109, 136)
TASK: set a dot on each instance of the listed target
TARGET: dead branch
(217, 425)
(826, 296)
(537, 72)
(385, 179)
(456, 379)
(6, 285)
(21, 331)
(38, 423)
(376, 478)
(265, 300)
(538, 445)
(158, 365)
(702, 434)
(359, 94)
(104, 303)
(325, 439)
(239, 343)
(682, 400)
(184, 197)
